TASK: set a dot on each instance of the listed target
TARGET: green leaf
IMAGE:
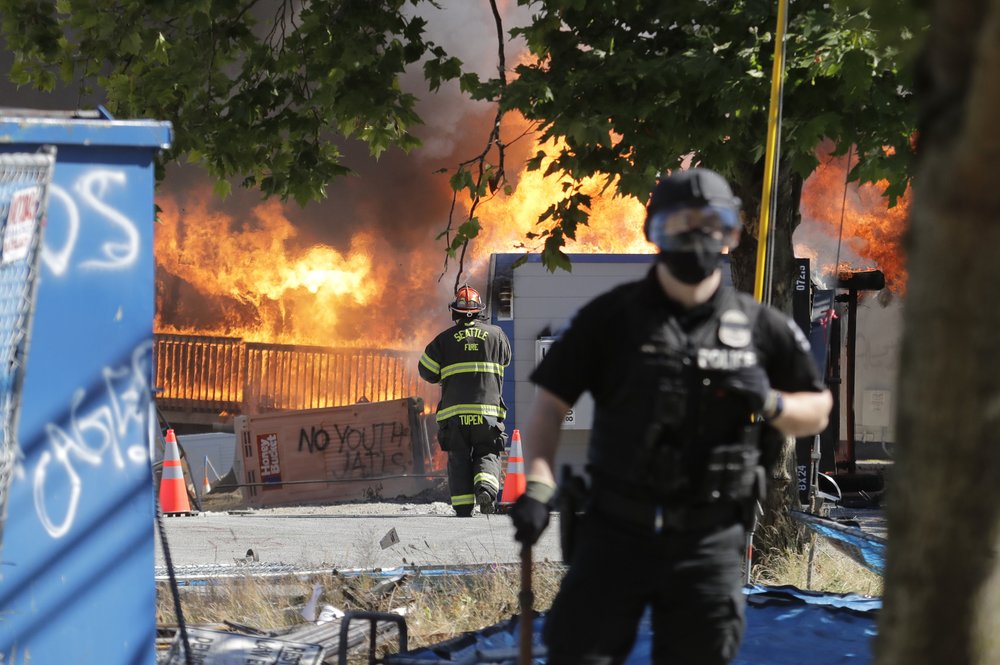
(625, 88)
(462, 179)
(222, 188)
(470, 229)
(555, 259)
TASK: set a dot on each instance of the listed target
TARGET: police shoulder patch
(734, 329)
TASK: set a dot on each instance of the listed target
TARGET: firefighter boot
(486, 499)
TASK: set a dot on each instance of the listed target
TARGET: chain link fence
(24, 185)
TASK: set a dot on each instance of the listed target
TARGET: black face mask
(694, 265)
(690, 267)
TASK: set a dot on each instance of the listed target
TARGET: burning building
(257, 316)
(257, 312)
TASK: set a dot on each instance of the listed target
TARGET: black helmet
(689, 200)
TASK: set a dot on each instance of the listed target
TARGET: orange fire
(615, 225)
(869, 228)
(258, 278)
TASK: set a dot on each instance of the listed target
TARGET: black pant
(473, 459)
(691, 579)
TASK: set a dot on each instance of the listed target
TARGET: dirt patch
(222, 501)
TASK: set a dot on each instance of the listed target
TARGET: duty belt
(654, 516)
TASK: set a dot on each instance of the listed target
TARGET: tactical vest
(669, 430)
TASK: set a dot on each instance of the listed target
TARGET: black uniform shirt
(608, 346)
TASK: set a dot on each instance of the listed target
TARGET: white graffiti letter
(58, 260)
(128, 390)
(56, 530)
(120, 254)
(92, 437)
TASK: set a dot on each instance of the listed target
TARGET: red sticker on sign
(270, 463)
(22, 218)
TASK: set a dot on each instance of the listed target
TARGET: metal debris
(212, 647)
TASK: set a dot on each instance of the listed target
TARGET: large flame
(258, 279)
(857, 216)
(615, 225)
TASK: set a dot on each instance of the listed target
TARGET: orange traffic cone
(206, 486)
(514, 482)
(173, 489)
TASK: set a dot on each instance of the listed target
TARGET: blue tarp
(865, 548)
(785, 626)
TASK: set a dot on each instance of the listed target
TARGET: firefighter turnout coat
(468, 360)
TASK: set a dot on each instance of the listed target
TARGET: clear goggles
(670, 228)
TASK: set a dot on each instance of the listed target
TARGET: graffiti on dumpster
(121, 248)
(14, 658)
(114, 424)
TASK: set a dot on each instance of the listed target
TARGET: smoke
(399, 202)
(848, 225)
(405, 195)
(828, 249)
(404, 199)
(466, 30)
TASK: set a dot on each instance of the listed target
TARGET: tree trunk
(787, 218)
(942, 583)
(775, 531)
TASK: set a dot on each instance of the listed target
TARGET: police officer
(468, 360)
(686, 376)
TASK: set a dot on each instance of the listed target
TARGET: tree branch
(496, 176)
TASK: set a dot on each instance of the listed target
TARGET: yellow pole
(768, 198)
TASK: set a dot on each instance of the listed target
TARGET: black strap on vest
(675, 463)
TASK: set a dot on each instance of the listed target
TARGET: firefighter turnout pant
(473, 446)
(691, 580)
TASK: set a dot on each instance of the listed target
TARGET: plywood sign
(362, 451)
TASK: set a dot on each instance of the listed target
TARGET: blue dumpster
(76, 567)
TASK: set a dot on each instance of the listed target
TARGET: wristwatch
(774, 405)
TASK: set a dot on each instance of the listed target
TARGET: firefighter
(695, 386)
(468, 360)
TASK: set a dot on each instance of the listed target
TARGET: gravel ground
(348, 536)
(368, 535)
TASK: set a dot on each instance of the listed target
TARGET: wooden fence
(225, 375)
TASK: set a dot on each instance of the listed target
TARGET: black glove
(530, 513)
(752, 384)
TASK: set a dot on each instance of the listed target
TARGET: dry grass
(261, 603)
(437, 607)
(831, 571)
(454, 605)
(441, 607)
(218, 501)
